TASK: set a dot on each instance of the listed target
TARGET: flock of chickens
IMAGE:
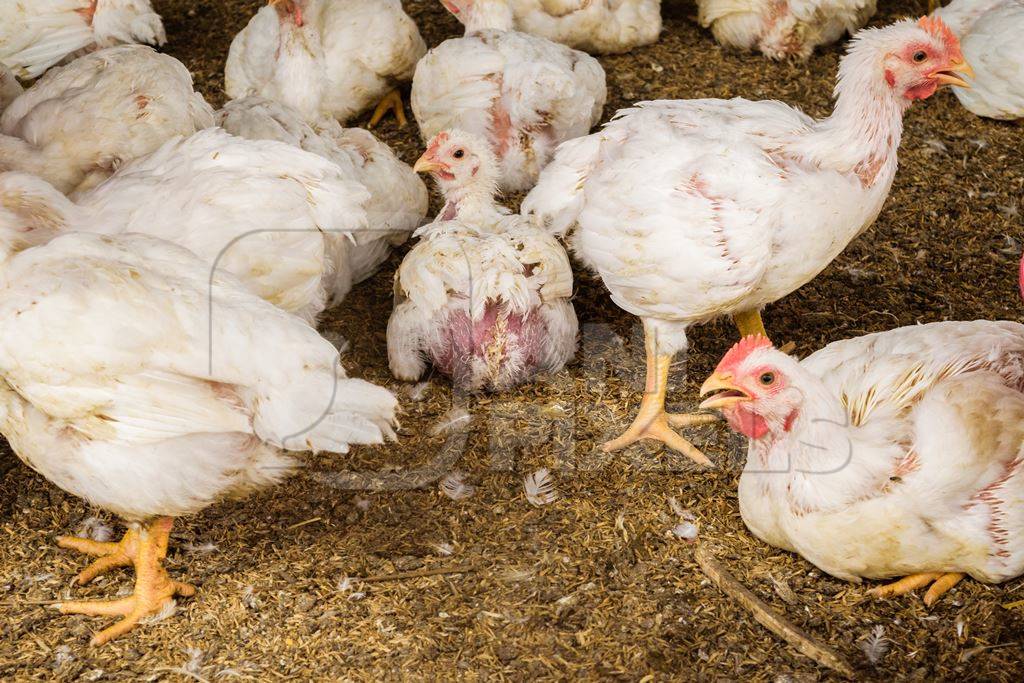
(164, 264)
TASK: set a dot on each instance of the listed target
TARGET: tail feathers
(557, 200)
(57, 44)
(362, 413)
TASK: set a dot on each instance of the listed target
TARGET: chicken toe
(939, 583)
(392, 101)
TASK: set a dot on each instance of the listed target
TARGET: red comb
(743, 348)
(437, 141)
(938, 28)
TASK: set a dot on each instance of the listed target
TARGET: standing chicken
(36, 34)
(891, 454)
(523, 94)
(782, 28)
(282, 220)
(326, 57)
(135, 378)
(398, 198)
(594, 26)
(484, 295)
(78, 123)
(990, 32)
(694, 209)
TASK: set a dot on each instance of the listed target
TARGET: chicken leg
(940, 583)
(392, 101)
(154, 589)
(652, 422)
(749, 322)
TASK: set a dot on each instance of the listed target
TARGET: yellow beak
(949, 77)
(426, 164)
(728, 393)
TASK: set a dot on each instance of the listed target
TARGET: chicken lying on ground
(523, 94)
(897, 453)
(992, 35)
(694, 209)
(782, 28)
(284, 221)
(326, 57)
(398, 200)
(36, 34)
(78, 123)
(139, 380)
(484, 296)
(595, 26)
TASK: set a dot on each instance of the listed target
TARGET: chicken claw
(659, 428)
(392, 101)
(111, 555)
(940, 583)
(145, 549)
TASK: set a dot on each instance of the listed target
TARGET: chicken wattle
(899, 453)
(694, 209)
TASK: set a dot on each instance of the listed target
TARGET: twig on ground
(766, 616)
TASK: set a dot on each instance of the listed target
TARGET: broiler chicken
(36, 34)
(694, 209)
(282, 220)
(990, 32)
(594, 26)
(332, 58)
(139, 380)
(484, 296)
(79, 122)
(782, 28)
(523, 94)
(897, 453)
(398, 198)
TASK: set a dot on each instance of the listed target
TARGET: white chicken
(326, 57)
(595, 26)
(522, 93)
(281, 219)
(782, 28)
(990, 33)
(398, 200)
(139, 380)
(694, 209)
(36, 35)
(484, 296)
(891, 454)
(79, 122)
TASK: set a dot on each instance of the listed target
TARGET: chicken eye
(767, 379)
(458, 154)
(920, 56)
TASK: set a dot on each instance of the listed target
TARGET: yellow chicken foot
(153, 587)
(940, 583)
(111, 555)
(392, 101)
(652, 422)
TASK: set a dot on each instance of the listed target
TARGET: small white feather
(455, 488)
(540, 488)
